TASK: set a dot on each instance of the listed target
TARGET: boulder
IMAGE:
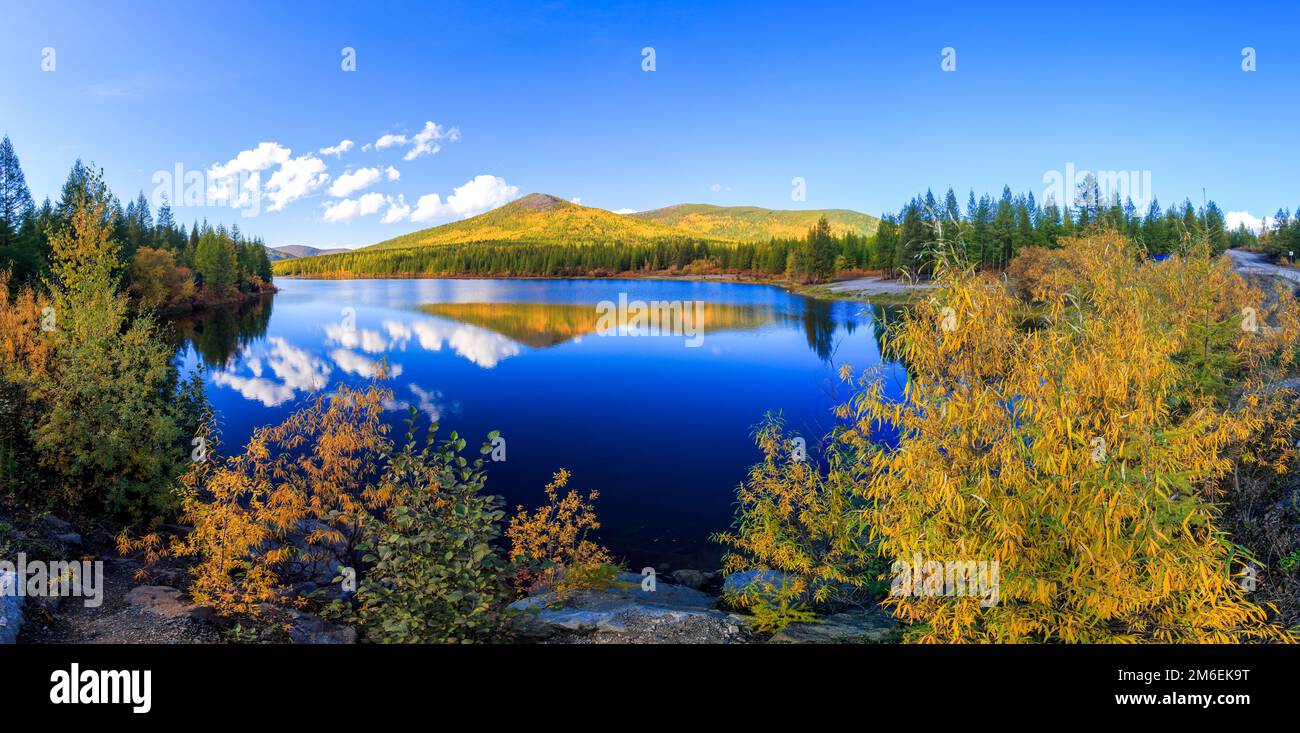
(625, 614)
(163, 601)
(311, 629)
(11, 608)
(735, 583)
(60, 530)
(873, 626)
(697, 579)
(55, 525)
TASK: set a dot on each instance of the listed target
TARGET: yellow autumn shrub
(551, 546)
(1081, 459)
(793, 540)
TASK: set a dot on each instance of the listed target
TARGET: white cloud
(424, 142)
(346, 210)
(355, 181)
(388, 141)
(295, 178)
(392, 173)
(398, 210)
(625, 211)
(264, 156)
(362, 366)
(1234, 219)
(372, 342)
(576, 200)
(427, 401)
(337, 150)
(295, 371)
(483, 193)
(238, 181)
(399, 334)
(480, 346)
(267, 391)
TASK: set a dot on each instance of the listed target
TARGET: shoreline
(861, 288)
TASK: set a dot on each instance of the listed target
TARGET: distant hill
(754, 224)
(545, 235)
(294, 251)
(540, 218)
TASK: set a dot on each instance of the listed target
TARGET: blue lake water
(661, 428)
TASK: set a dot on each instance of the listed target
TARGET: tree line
(990, 232)
(162, 266)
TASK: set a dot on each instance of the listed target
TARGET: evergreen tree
(15, 198)
(19, 238)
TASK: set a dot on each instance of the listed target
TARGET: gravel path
(1251, 263)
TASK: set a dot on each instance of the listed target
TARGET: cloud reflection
(294, 369)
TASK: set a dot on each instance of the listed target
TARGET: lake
(659, 424)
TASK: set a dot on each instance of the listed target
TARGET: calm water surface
(661, 429)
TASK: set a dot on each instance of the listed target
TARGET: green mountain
(542, 235)
(540, 218)
(754, 224)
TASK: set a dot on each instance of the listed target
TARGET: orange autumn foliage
(551, 545)
(298, 493)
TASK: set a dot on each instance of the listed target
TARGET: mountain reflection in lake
(661, 428)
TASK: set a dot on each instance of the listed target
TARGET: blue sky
(552, 97)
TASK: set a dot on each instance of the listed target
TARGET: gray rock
(71, 539)
(697, 579)
(311, 629)
(626, 614)
(874, 626)
(11, 608)
(56, 526)
(757, 579)
(167, 576)
(162, 600)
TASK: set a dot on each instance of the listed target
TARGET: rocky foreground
(685, 611)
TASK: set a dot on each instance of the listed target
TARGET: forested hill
(544, 235)
(544, 219)
(755, 224)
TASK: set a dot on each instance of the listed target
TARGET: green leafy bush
(436, 574)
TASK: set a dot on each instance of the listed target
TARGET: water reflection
(541, 325)
(216, 334)
(231, 342)
(661, 429)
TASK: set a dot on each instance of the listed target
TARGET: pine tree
(15, 198)
(165, 229)
(19, 238)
